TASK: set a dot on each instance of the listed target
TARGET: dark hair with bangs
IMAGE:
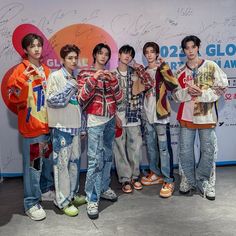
(127, 49)
(189, 38)
(153, 45)
(98, 48)
(29, 39)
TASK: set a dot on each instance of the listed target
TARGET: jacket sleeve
(169, 79)
(87, 84)
(59, 99)
(118, 93)
(181, 95)
(18, 87)
(146, 79)
(220, 85)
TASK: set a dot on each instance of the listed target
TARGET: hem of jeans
(26, 209)
(62, 205)
(125, 180)
(48, 189)
(158, 173)
(91, 201)
(170, 181)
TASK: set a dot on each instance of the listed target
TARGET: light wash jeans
(128, 153)
(196, 174)
(38, 177)
(100, 140)
(66, 159)
(159, 150)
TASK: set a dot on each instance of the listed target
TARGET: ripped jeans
(100, 141)
(159, 150)
(66, 160)
(196, 174)
(37, 174)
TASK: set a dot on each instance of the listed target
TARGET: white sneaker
(36, 212)
(109, 195)
(48, 196)
(92, 210)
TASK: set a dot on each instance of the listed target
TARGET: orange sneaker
(167, 189)
(151, 179)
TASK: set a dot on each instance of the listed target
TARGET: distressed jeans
(196, 174)
(66, 160)
(128, 153)
(100, 140)
(159, 150)
(37, 174)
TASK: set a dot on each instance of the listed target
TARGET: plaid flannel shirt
(134, 103)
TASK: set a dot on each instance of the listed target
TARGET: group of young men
(116, 104)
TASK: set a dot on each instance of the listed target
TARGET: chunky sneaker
(208, 191)
(167, 190)
(92, 210)
(36, 212)
(79, 200)
(109, 195)
(48, 196)
(151, 179)
(70, 210)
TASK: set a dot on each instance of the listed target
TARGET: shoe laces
(149, 175)
(168, 185)
(92, 205)
(36, 207)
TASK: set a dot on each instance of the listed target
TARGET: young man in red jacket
(99, 95)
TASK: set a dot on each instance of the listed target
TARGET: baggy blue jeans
(100, 141)
(197, 173)
(38, 177)
(66, 160)
(159, 150)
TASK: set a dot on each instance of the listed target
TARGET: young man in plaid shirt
(127, 147)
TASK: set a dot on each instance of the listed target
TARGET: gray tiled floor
(140, 213)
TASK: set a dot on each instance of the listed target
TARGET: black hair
(68, 48)
(98, 48)
(189, 38)
(29, 39)
(127, 49)
(153, 45)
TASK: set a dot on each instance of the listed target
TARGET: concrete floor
(140, 213)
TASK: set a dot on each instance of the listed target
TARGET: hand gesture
(194, 90)
(98, 73)
(107, 74)
(29, 71)
(159, 61)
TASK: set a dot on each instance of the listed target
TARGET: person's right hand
(159, 61)
(28, 71)
(99, 73)
(194, 90)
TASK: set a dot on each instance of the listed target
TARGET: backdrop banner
(117, 23)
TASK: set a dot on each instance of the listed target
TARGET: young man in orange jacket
(27, 87)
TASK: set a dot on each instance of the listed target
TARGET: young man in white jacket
(202, 83)
(64, 117)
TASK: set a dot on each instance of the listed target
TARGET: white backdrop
(134, 22)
